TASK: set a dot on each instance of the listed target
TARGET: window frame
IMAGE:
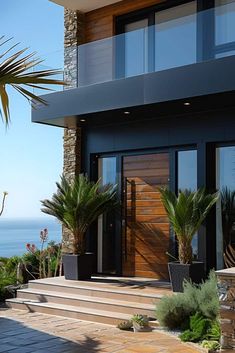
(207, 49)
(204, 52)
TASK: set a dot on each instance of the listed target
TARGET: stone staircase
(99, 300)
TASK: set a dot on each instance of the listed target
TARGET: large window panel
(225, 210)
(175, 36)
(225, 21)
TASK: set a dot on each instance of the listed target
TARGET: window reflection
(107, 170)
(175, 32)
(225, 211)
(187, 179)
(136, 48)
(224, 21)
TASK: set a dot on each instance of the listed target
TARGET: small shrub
(205, 296)
(8, 276)
(211, 345)
(214, 332)
(201, 328)
(174, 311)
(44, 262)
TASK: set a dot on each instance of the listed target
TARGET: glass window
(106, 223)
(225, 210)
(187, 179)
(175, 36)
(225, 21)
(136, 48)
(107, 170)
(187, 170)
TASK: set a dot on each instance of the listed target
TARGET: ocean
(16, 233)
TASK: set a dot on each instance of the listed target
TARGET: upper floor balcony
(179, 58)
(191, 39)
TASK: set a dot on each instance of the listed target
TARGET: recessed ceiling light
(187, 103)
(127, 113)
(82, 120)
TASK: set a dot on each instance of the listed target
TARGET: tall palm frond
(78, 204)
(15, 72)
(186, 213)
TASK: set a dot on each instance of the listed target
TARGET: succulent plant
(140, 320)
(125, 325)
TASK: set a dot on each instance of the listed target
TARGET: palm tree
(186, 213)
(78, 204)
(14, 71)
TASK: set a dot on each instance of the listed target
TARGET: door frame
(173, 172)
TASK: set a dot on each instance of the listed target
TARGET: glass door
(225, 211)
(106, 223)
(187, 180)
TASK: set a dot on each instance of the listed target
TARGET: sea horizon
(16, 232)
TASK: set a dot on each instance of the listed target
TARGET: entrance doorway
(145, 226)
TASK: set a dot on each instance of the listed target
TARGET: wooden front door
(145, 232)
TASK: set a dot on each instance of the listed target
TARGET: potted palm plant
(186, 213)
(77, 205)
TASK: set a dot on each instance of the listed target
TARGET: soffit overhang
(84, 5)
(146, 96)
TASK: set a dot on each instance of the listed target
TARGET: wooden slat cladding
(100, 23)
(96, 60)
(146, 234)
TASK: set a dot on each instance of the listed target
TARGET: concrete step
(90, 302)
(80, 313)
(98, 290)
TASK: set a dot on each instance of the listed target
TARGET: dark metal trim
(148, 12)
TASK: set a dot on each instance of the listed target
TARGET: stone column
(74, 34)
(226, 287)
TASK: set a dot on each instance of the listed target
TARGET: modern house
(151, 103)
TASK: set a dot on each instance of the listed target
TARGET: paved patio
(25, 332)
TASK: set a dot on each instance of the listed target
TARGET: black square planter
(180, 272)
(78, 267)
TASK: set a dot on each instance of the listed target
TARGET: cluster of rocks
(226, 288)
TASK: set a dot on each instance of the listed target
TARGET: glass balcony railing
(53, 60)
(173, 42)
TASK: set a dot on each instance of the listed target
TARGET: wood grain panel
(146, 234)
(100, 23)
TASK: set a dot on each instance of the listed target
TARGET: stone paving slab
(25, 332)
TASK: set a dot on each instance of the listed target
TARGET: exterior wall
(73, 36)
(100, 23)
(80, 28)
(226, 286)
(193, 130)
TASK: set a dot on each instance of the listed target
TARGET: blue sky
(31, 155)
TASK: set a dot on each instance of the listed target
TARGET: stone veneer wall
(74, 34)
(226, 287)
